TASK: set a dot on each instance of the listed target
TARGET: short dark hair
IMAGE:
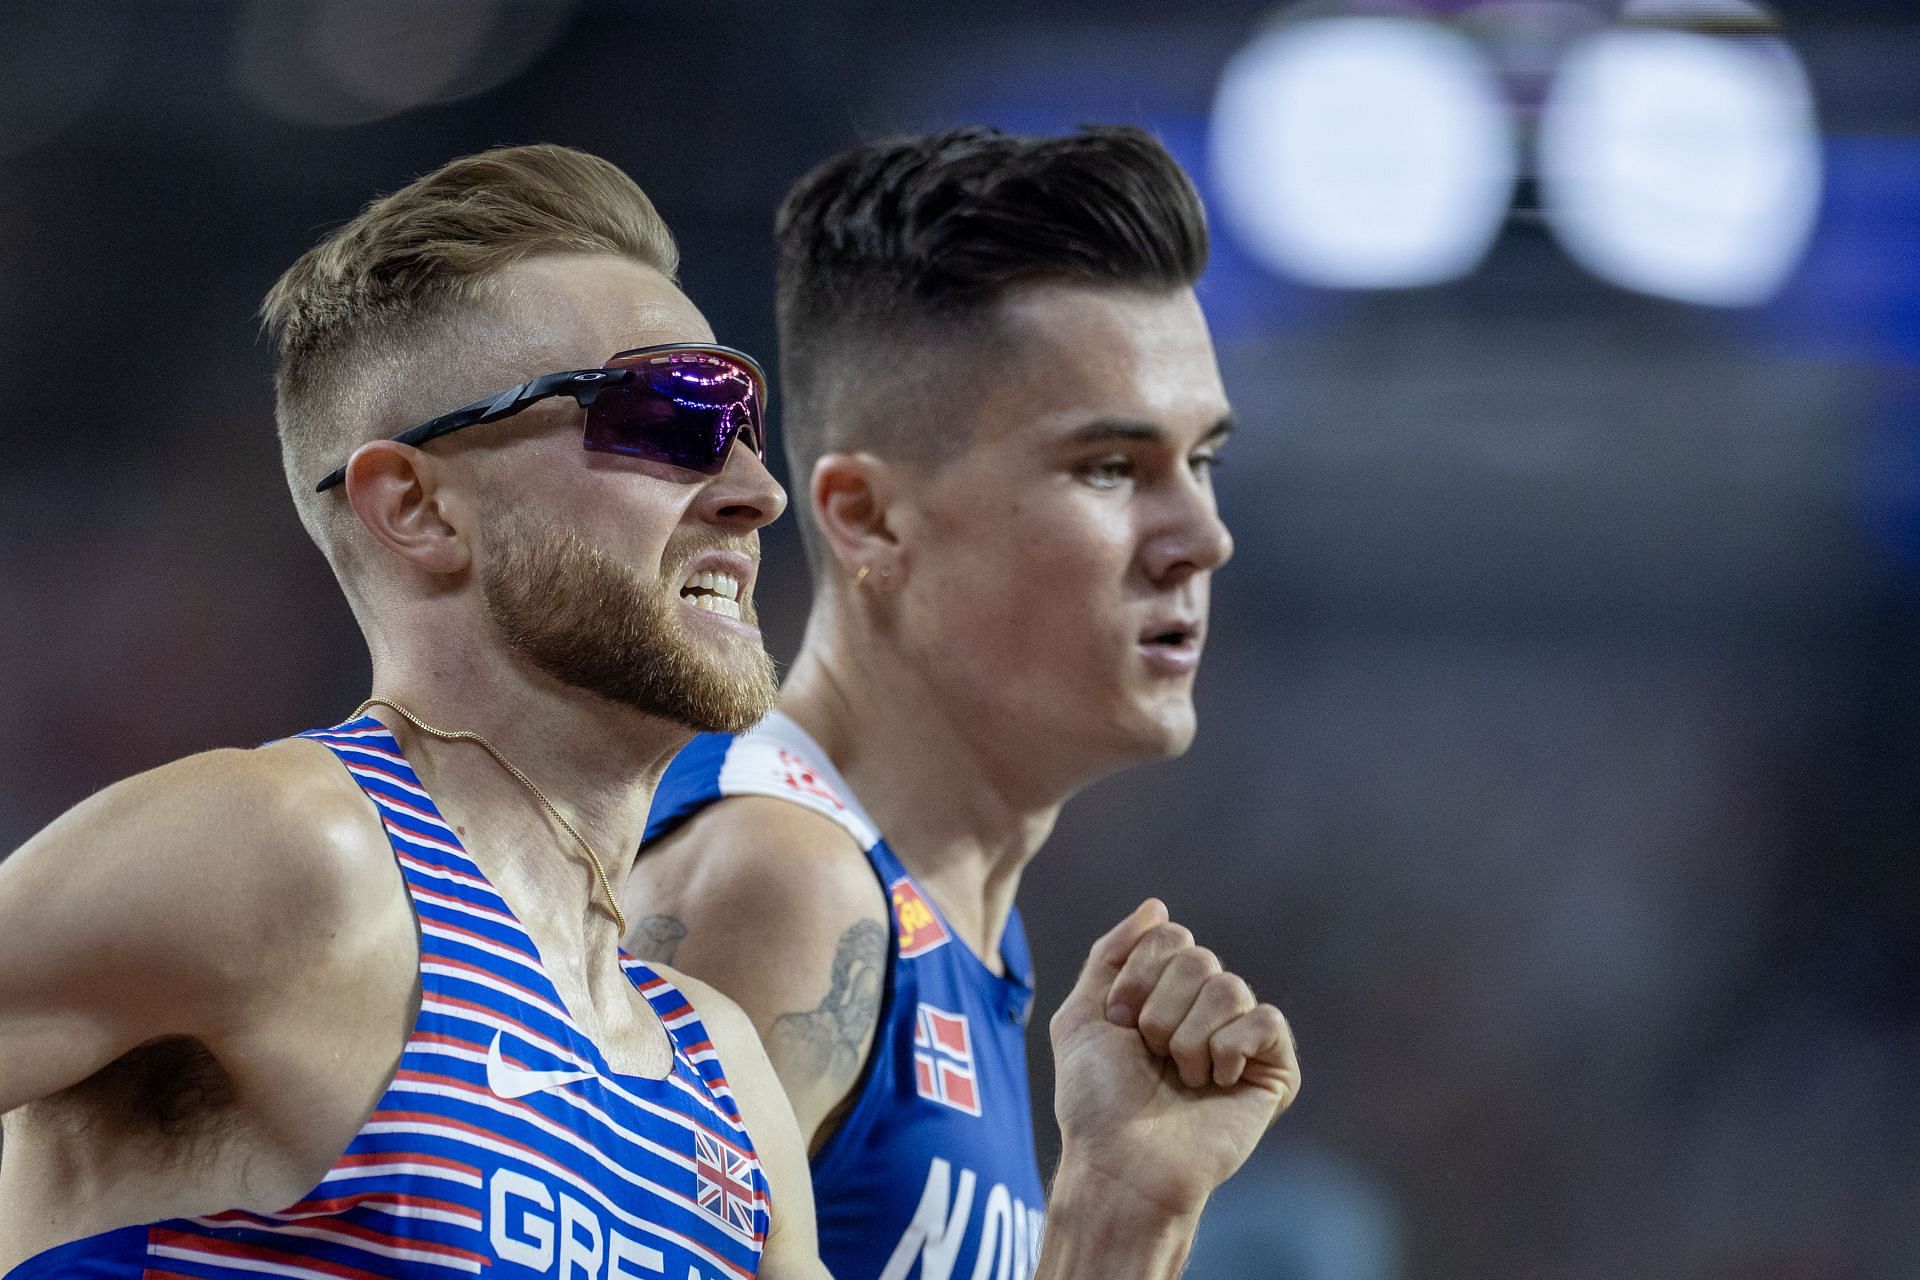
(909, 242)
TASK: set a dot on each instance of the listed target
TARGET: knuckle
(1275, 1027)
(1156, 1027)
(1188, 1040)
(1197, 962)
(1169, 937)
(1229, 990)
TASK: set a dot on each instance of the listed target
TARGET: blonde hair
(382, 285)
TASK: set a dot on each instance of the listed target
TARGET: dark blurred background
(1559, 769)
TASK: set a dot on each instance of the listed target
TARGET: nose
(1191, 538)
(744, 496)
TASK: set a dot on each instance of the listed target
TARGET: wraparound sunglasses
(680, 403)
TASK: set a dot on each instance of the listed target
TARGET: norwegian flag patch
(723, 1182)
(943, 1060)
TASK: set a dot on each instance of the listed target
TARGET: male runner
(1004, 401)
(351, 1005)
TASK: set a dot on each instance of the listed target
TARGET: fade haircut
(353, 319)
(894, 254)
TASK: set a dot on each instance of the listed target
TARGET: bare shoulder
(800, 888)
(332, 848)
(752, 862)
(213, 851)
(185, 901)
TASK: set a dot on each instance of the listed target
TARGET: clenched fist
(1168, 1071)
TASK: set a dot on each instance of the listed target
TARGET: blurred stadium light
(351, 62)
(1676, 151)
(1363, 152)
(1682, 163)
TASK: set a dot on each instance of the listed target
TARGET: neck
(961, 812)
(595, 761)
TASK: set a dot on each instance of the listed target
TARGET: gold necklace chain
(467, 735)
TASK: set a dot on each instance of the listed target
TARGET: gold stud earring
(861, 576)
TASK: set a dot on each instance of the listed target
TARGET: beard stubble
(574, 614)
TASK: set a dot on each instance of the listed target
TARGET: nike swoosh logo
(510, 1081)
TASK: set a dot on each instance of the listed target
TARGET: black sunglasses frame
(584, 385)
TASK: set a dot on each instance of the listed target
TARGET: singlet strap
(778, 758)
(421, 836)
(463, 920)
(691, 1043)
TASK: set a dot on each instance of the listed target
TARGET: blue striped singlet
(505, 1145)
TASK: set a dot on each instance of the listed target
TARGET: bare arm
(162, 906)
(796, 885)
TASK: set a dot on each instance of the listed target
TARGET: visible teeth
(725, 606)
(724, 585)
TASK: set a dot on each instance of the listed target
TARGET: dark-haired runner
(1003, 401)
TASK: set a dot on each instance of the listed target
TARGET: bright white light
(1363, 152)
(1682, 165)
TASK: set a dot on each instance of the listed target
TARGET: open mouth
(715, 592)
(1172, 638)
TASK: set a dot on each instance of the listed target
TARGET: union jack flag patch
(943, 1060)
(723, 1178)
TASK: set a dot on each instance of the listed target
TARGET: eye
(1106, 473)
(1205, 461)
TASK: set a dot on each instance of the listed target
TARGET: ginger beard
(583, 619)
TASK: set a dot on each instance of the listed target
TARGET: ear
(853, 498)
(396, 491)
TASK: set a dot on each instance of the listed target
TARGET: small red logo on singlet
(943, 1060)
(920, 929)
(798, 776)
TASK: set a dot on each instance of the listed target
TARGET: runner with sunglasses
(1003, 402)
(351, 1005)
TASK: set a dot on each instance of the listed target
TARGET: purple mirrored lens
(683, 410)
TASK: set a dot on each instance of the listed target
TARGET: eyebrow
(1131, 430)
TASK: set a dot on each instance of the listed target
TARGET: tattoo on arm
(657, 938)
(826, 1040)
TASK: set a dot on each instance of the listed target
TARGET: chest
(938, 1150)
(947, 1078)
